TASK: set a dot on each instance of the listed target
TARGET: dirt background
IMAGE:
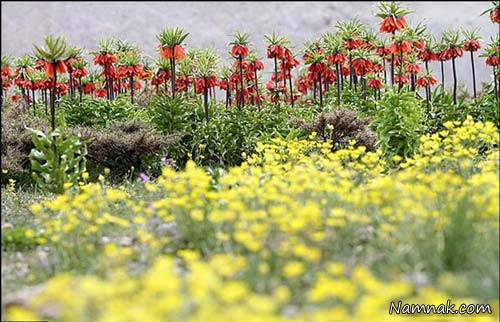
(211, 24)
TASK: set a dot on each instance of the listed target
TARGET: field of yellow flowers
(296, 233)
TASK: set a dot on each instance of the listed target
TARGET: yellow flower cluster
(267, 241)
(214, 290)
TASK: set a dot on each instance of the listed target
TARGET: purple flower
(167, 162)
(143, 177)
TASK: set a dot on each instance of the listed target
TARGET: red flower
(19, 82)
(401, 79)
(258, 65)
(5, 71)
(351, 44)
(77, 73)
(338, 58)
(235, 78)
(375, 83)
(345, 70)
(427, 56)
(275, 51)
(290, 61)
(239, 51)
(453, 52)
(495, 15)
(29, 85)
(392, 24)
(244, 64)
(144, 74)
(251, 67)
(443, 56)
(122, 85)
(270, 86)
(302, 85)
(367, 45)
(425, 81)
(493, 61)
(432, 80)
(329, 76)
(223, 84)
(100, 93)
(383, 51)
(61, 89)
(163, 75)
(362, 66)
(67, 62)
(6, 83)
(212, 82)
(419, 45)
(15, 98)
(60, 68)
(435, 56)
(177, 52)
(403, 47)
(105, 60)
(182, 82)
(127, 71)
(377, 68)
(471, 45)
(88, 88)
(40, 64)
(253, 95)
(317, 68)
(157, 81)
(413, 69)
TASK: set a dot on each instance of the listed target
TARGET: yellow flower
(232, 291)
(36, 208)
(197, 215)
(29, 233)
(397, 158)
(293, 269)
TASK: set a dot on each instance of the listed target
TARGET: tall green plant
(56, 160)
(172, 115)
(398, 123)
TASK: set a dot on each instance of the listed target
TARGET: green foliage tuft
(56, 160)
(399, 123)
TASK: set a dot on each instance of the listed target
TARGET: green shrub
(56, 160)
(231, 134)
(225, 137)
(399, 123)
(16, 239)
(352, 100)
(173, 115)
(486, 108)
(443, 110)
(97, 112)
